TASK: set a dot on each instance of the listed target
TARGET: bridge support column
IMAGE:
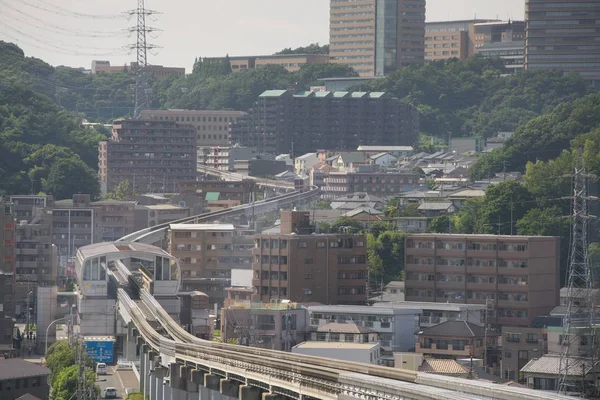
(229, 388)
(144, 368)
(212, 382)
(130, 344)
(271, 396)
(249, 393)
(197, 376)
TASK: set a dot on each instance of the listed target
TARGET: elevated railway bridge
(129, 288)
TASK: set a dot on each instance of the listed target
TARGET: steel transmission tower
(142, 91)
(579, 315)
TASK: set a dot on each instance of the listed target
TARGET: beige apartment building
(518, 276)
(291, 62)
(300, 266)
(376, 37)
(7, 256)
(450, 39)
(208, 253)
(213, 126)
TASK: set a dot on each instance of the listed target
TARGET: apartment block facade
(7, 257)
(291, 62)
(208, 253)
(369, 180)
(288, 122)
(563, 35)
(213, 126)
(376, 37)
(240, 191)
(519, 346)
(152, 155)
(518, 276)
(303, 267)
(504, 40)
(450, 39)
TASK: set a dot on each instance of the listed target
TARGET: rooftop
(454, 329)
(201, 227)
(337, 345)
(97, 249)
(550, 364)
(364, 310)
(443, 367)
(435, 206)
(480, 236)
(18, 368)
(385, 148)
(424, 305)
(166, 207)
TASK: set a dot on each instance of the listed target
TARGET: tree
(548, 181)
(342, 223)
(385, 256)
(66, 383)
(548, 222)
(440, 224)
(378, 227)
(123, 191)
(322, 205)
(71, 176)
(313, 48)
(467, 220)
(503, 205)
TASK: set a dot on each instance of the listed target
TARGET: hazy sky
(191, 28)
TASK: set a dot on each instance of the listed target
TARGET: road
(111, 379)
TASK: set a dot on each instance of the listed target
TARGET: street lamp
(48, 328)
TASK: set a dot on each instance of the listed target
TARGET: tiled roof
(18, 368)
(443, 367)
(550, 364)
(338, 327)
(28, 396)
(454, 329)
(360, 210)
(435, 206)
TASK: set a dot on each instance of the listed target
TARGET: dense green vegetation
(62, 361)
(313, 48)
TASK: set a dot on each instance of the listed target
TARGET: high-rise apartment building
(564, 35)
(504, 40)
(450, 39)
(7, 257)
(208, 253)
(376, 37)
(152, 155)
(287, 122)
(518, 276)
(303, 267)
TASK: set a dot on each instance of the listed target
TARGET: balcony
(450, 285)
(421, 284)
(465, 351)
(424, 268)
(415, 251)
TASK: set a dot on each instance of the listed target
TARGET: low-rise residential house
(434, 209)
(396, 151)
(433, 314)
(304, 163)
(275, 326)
(543, 373)
(340, 332)
(417, 362)
(19, 378)
(410, 224)
(519, 346)
(348, 161)
(383, 159)
(396, 327)
(365, 214)
(356, 200)
(452, 339)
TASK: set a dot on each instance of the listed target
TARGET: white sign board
(241, 278)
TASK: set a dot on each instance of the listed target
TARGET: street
(111, 379)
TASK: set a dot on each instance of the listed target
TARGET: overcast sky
(191, 28)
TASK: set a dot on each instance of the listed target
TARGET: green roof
(307, 93)
(323, 94)
(377, 95)
(340, 94)
(212, 196)
(273, 93)
(358, 94)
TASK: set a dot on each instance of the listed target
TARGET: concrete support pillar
(153, 387)
(229, 388)
(270, 396)
(160, 388)
(175, 368)
(212, 382)
(130, 344)
(144, 368)
(249, 393)
(197, 376)
(186, 376)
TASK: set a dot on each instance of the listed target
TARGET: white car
(110, 393)
(101, 369)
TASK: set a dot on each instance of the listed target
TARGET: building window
(513, 337)
(321, 245)
(307, 292)
(309, 261)
(523, 355)
(303, 244)
(308, 276)
(507, 354)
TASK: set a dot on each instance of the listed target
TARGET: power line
(54, 9)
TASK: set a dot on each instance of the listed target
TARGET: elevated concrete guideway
(174, 364)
